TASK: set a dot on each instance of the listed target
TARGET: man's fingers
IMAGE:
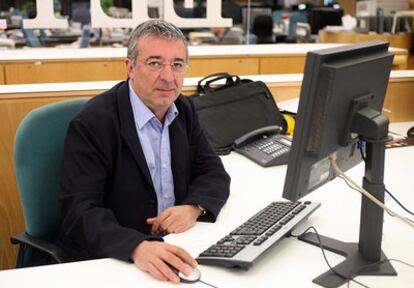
(176, 227)
(166, 224)
(176, 262)
(156, 273)
(150, 221)
(172, 228)
(155, 225)
(183, 255)
(159, 223)
(158, 258)
(167, 271)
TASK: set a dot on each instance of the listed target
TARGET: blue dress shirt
(155, 141)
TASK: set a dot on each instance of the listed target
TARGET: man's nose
(167, 73)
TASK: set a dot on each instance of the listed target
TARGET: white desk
(193, 51)
(46, 65)
(403, 75)
(291, 263)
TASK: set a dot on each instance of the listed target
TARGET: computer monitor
(340, 107)
(249, 14)
(320, 17)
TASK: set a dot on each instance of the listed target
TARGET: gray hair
(154, 28)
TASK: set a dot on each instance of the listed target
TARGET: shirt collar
(142, 114)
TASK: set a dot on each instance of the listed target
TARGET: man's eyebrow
(161, 58)
(154, 57)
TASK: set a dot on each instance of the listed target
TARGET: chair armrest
(55, 252)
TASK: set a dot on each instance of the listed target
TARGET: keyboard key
(263, 227)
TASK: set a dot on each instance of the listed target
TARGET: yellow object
(290, 123)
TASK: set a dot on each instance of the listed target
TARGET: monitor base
(353, 265)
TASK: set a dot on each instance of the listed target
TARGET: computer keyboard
(243, 246)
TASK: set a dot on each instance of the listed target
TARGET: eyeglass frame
(163, 64)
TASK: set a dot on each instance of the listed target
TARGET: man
(137, 164)
(226, 36)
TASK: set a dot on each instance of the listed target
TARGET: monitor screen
(332, 79)
(339, 111)
(249, 14)
(320, 17)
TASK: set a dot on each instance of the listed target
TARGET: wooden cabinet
(201, 67)
(399, 100)
(399, 106)
(52, 65)
(283, 64)
(64, 71)
(400, 40)
(2, 80)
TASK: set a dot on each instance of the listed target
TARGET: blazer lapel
(179, 156)
(129, 131)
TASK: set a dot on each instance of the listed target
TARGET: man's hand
(175, 219)
(155, 256)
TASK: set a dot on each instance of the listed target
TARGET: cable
(347, 278)
(360, 147)
(356, 189)
(208, 284)
(382, 262)
(368, 195)
(398, 202)
(402, 262)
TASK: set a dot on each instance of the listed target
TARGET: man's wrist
(202, 210)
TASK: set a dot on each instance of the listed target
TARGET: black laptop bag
(229, 107)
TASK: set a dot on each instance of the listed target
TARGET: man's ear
(130, 69)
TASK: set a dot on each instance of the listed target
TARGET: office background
(20, 65)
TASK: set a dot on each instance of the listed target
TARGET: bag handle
(201, 89)
(231, 80)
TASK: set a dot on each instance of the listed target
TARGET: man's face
(159, 87)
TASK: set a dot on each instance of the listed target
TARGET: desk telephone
(265, 146)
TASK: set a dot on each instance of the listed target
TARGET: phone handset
(256, 134)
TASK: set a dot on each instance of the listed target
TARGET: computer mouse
(410, 132)
(410, 136)
(194, 275)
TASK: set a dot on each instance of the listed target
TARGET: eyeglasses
(157, 65)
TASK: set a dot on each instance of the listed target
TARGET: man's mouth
(165, 89)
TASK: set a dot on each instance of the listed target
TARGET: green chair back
(38, 151)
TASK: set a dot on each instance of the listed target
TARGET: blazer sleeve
(86, 223)
(209, 184)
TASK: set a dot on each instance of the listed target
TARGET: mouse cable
(362, 268)
(208, 284)
(369, 195)
(350, 186)
(348, 278)
(386, 190)
(398, 202)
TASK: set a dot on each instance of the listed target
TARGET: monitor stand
(366, 256)
(351, 266)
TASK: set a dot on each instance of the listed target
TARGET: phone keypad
(267, 151)
(271, 147)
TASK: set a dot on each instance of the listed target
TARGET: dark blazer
(106, 188)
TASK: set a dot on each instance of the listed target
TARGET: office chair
(38, 151)
(230, 9)
(86, 35)
(43, 37)
(31, 38)
(263, 29)
(294, 19)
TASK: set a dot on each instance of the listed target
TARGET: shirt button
(164, 166)
(166, 196)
